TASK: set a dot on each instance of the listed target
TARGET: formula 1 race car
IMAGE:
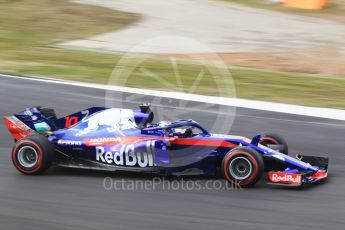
(125, 139)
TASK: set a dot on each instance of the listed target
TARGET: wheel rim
(27, 156)
(240, 168)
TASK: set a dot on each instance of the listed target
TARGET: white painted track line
(236, 102)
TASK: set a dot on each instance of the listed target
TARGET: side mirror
(256, 140)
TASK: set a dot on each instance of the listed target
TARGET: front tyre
(274, 141)
(243, 167)
(32, 155)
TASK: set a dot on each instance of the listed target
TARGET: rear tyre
(243, 167)
(32, 155)
(270, 139)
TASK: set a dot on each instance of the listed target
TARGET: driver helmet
(164, 123)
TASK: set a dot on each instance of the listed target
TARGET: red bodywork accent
(17, 128)
(203, 142)
(173, 141)
(319, 175)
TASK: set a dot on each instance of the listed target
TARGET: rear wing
(42, 120)
(30, 121)
(17, 128)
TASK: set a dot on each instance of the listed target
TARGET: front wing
(294, 177)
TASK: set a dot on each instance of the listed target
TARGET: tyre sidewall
(256, 162)
(44, 150)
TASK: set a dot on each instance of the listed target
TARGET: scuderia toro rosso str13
(125, 139)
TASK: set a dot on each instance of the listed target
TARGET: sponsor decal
(69, 142)
(287, 178)
(28, 112)
(127, 155)
(103, 141)
(21, 125)
(118, 140)
(17, 128)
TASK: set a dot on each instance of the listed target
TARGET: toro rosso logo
(287, 178)
(116, 120)
(127, 155)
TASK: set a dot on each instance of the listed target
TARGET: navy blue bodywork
(122, 139)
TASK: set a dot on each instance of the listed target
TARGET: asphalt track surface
(77, 199)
